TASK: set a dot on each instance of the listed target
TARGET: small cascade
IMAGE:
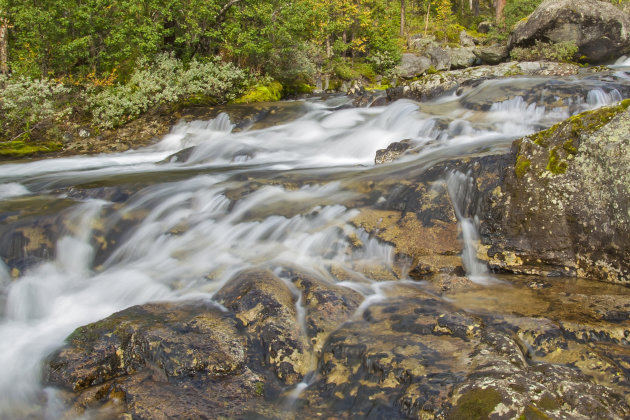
(597, 98)
(460, 188)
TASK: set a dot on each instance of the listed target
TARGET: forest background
(108, 61)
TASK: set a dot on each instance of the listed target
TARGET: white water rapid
(209, 200)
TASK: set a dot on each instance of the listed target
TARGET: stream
(84, 237)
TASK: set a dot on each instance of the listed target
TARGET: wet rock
(266, 307)
(414, 355)
(599, 29)
(413, 65)
(327, 305)
(392, 153)
(564, 206)
(156, 360)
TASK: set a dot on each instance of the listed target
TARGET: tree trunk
(426, 21)
(499, 10)
(4, 28)
(402, 18)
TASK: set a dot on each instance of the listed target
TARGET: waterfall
(460, 188)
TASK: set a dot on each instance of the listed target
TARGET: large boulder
(413, 65)
(600, 30)
(563, 206)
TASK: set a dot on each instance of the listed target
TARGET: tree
(500, 5)
(4, 35)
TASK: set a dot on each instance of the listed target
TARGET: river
(177, 220)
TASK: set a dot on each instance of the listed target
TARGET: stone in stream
(600, 30)
(266, 307)
(563, 205)
(419, 356)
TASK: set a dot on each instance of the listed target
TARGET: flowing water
(179, 219)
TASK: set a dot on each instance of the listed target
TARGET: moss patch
(21, 148)
(556, 165)
(262, 93)
(476, 404)
(522, 166)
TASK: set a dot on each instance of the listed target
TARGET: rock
(266, 307)
(415, 355)
(465, 40)
(484, 27)
(421, 43)
(327, 305)
(412, 65)
(462, 58)
(157, 360)
(599, 29)
(559, 209)
(492, 54)
(434, 85)
(392, 153)
(440, 59)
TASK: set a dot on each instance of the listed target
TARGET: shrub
(167, 80)
(563, 51)
(26, 103)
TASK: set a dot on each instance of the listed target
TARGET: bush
(167, 80)
(563, 51)
(26, 103)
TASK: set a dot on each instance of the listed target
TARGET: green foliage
(167, 80)
(25, 103)
(563, 51)
(516, 10)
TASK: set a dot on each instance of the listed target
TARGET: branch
(225, 8)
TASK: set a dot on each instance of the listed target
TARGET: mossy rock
(262, 93)
(22, 148)
(476, 404)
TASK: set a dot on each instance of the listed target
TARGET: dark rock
(599, 29)
(484, 27)
(392, 153)
(266, 306)
(157, 360)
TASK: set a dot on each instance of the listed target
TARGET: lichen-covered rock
(600, 30)
(564, 206)
(392, 152)
(266, 306)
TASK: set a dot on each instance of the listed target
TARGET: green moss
(431, 70)
(547, 402)
(532, 413)
(299, 89)
(569, 147)
(260, 388)
(475, 404)
(556, 165)
(262, 93)
(522, 166)
(21, 148)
